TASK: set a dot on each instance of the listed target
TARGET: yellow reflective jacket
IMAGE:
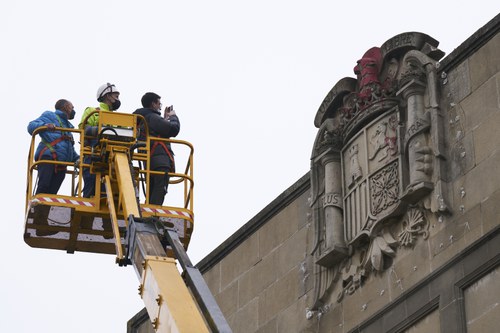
(93, 119)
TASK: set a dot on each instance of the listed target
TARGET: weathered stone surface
(292, 252)
(456, 234)
(293, 318)
(270, 327)
(367, 300)
(227, 299)
(429, 323)
(420, 298)
(213, 279)
(490, 212)
(259, 277)
(457, 85)
(278, 296)
(482, 308)
(480, 182)
(416, 289)
(487, 137)
(331, 321)
(279, 228)
(443, 288)
(481, 104)
(245, 256)
(485, 62)
(303, 210)
(245, 319)
(462, 158)
(412, 264)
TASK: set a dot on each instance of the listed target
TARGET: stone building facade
(396, 226)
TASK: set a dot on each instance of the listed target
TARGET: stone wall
(265, 276)
(265, 284)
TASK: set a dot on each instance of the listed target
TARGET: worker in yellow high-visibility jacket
(109, 100)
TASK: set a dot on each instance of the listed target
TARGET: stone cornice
(471, 45)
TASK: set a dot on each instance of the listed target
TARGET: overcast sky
(246, 80)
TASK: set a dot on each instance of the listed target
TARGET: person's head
(67, 107)
(108, 94)
(151, 100)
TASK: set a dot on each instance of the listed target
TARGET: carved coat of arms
(378, 153)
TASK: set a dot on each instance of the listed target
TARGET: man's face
(69, 110)
(156, 105)
(113, 96)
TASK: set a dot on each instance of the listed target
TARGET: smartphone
(168, 109)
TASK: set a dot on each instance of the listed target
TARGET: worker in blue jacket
(55, 145)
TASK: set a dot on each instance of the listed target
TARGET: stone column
(420, 157)
(335, 247)
(332, 201)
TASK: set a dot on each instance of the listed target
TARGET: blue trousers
(50, 177)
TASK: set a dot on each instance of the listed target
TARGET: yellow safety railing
(183, 177)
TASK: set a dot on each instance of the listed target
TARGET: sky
(246, 79)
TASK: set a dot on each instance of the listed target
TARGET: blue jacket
(64, 149)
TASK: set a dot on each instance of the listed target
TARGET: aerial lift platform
(114, 221)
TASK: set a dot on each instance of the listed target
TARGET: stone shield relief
(371, 168)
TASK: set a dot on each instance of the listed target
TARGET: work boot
(41, 217)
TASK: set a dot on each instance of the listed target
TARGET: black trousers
(158, 185)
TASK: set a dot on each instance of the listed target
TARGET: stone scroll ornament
(379, 153)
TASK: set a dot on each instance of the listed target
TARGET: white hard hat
(106, 89)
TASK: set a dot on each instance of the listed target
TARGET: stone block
(212, 278)
(418, 300)
(451, 230)
(459, 231)
(487, 137)
(444, 287)
(430, 323)
(481, 182)
(485, 62)
(376, 326)
(365, 301)
(395, 284)
(259, 277)
(450, 319)
(481, 303)
(490, 212)
(278, 229)
(292, 252)
(307, 271)
(458, 85)
(227, 299)
(393, 317)
(240, 260)
(374, 293)
(246, 318)
(278, 296)
(269, 327)
(293, 318)
(462, 157)
(331, 321)
(304, 211)
(412, 264)
(481, 104)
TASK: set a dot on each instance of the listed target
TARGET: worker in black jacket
(162, 156)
